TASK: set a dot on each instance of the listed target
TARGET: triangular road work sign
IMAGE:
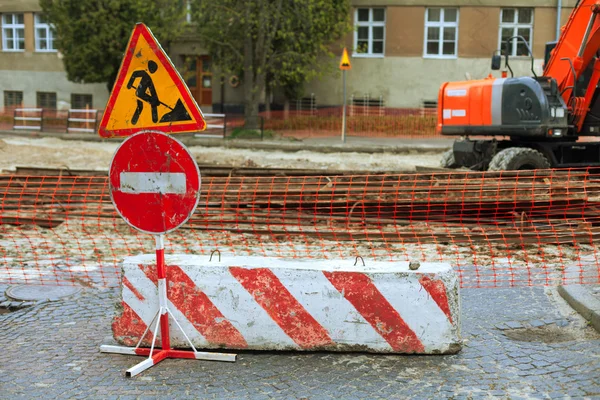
(149, 93)
(345, 61)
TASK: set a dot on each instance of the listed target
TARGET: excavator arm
(577, 46)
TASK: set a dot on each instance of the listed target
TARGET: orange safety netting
(361, 121)
(497, 229)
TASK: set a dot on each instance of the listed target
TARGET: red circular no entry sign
(154, 182)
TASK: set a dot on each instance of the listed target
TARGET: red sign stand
(155, 170)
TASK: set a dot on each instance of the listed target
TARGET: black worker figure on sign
(146, 92)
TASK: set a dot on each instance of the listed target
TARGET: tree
(92, 34)
(281, 39)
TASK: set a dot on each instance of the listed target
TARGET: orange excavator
(534, 122)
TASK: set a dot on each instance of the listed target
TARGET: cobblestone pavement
(519, 343)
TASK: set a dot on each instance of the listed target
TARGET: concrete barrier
(261, 303)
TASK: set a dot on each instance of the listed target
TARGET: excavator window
(548, 51)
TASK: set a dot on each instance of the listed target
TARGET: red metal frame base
(156, 355)
(159, 354)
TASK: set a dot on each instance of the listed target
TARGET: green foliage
(243, 133)
(279, 39)
(92, 34)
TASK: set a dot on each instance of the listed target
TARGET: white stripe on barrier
(417, 309)
(329, 307)
(146, 309)
(250, 319)
(149, 290)
(27, 127)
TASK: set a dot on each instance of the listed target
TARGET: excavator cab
(532, 121)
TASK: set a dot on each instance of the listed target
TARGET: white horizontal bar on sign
(83, 110)
(215, 115)
(27, 127)
(81, 130)
(28, 109)
(153, 182)
(28, 118)
(81, 120)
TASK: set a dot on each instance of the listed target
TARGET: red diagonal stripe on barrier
(128, 327)
(437, 291)
(360, 291)
(128, 285)
(197, 308)
(282, 307)
(200, 311)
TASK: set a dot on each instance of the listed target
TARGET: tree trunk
(286, 108)
(268, 102)
(250, 99)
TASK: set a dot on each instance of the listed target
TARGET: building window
(81, 101)
(46, 100)
(44, 38)
(13, 32)
(13, 98)
(516, 22)
(369, 36)
(441, 32)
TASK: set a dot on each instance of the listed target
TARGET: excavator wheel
(518, 158)
(447, 160)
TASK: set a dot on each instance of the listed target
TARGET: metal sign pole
(165, 159)
(157, 355)
(344, 110)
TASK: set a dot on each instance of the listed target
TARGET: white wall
(30, 82)
(405, 81)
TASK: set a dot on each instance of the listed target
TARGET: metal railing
(26, 115)
(212, 125)
(85, 120)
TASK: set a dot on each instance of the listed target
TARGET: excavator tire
(518, 158)
(447, 160)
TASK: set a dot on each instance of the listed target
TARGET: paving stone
(537, 323)
(514, 325)
(67, 334)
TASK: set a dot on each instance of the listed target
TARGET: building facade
(401, 52)
(31, 70)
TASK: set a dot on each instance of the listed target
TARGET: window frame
(77, 107)
(37, 100)
(15, 27)
(515, 25)
(370, 24)
(7, 93)
(441, 25)
(49, 35)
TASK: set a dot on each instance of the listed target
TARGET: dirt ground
(51, 152)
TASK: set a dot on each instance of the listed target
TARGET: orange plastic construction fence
(497, 229)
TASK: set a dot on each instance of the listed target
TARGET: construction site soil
(72, 154)
(87, 246)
